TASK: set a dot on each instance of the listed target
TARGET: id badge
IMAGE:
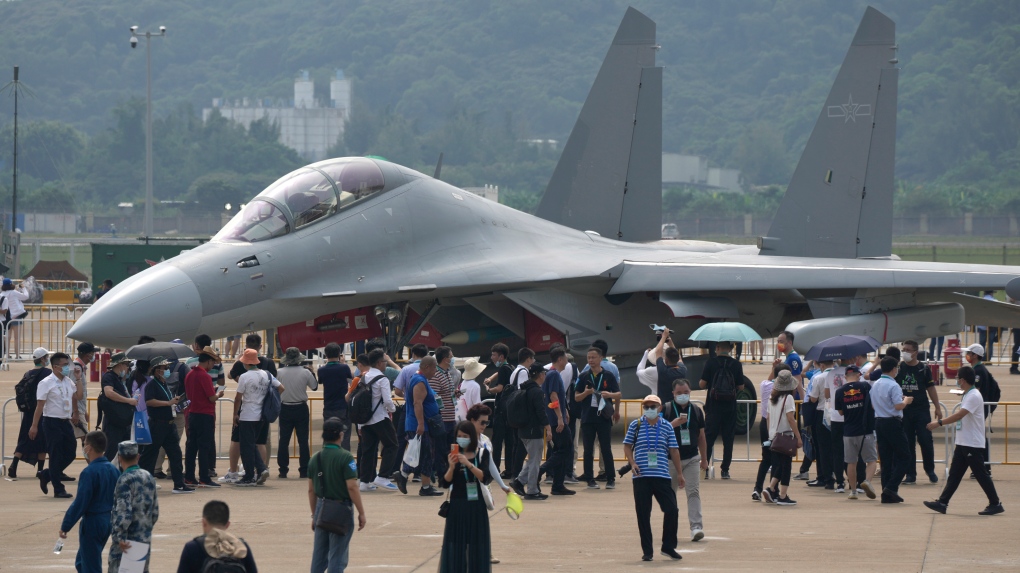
(472, 492)
(653, 459)
(594, 400)
(685, 437)
(440, 402)
(959, 425)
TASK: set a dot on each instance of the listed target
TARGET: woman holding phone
(466, 542)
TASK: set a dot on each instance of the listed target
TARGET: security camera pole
(147, 224)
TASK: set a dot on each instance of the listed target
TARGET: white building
(490, 192)
(693, 170)
(306, 125)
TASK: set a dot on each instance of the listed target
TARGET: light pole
(147, 224)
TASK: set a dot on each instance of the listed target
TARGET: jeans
(721, 421)
(248, 433)
(692, 487)
(330, 551)
(988, 341)
(915, 421)
(645, 489)
(894, 452)
(371, 436)
(558, 461)
(974, 458)
(93, 533)
(293, 418)
(61, 447)
(529, 471)
(823, 454)
(601, 429)
(201, 443)
(936, 342)
(164, 436)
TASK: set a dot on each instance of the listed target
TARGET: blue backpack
(272, 403)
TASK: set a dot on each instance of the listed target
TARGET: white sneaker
(367, 486)
(697, 534)
(230, 477)
(385, 484)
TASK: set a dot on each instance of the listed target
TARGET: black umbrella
(168, 350)
(842, 347)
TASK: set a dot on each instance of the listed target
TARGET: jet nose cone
(162, 302)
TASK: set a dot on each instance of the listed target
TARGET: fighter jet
(337, 249)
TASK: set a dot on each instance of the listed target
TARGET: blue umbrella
(842, 347)
(725, 332)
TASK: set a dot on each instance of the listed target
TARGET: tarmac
(591, 531)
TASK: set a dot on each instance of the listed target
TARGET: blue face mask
(682, 399)
(65, 370)
(463, 442)
(651, 413)
(166, 374)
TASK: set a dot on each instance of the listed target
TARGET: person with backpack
(371, 406)
(989, 389)
(252, 389)
(497, 384)
(722, 377)
(252, 342)
(161, 406)
(597, 390)
(32, 451)
(424, 422)
(116, 405)
(519, 375)
(526, 410)
(216, 550)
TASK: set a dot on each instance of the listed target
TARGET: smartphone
(455, 448)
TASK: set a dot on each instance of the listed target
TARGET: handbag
(784, 442)
(412, 454)
(487, 496)
(606, 409)
(141, 427)
(334, 516)
(444, 508)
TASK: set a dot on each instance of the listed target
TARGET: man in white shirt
(55, 408)
(252, 387)
(379, 429)
(525, 358)
(820, 428)
(835, 378)
(970, 446)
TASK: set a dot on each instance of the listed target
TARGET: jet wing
(742, 273)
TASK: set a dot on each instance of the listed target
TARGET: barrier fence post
(3, 438)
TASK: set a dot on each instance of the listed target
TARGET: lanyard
(162, 386)
(658, 433)
(474, 461)
(599, 386)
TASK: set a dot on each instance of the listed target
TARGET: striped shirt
(659, 438)
(443, 387)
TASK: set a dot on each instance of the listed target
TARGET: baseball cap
(976, 349)
(652, 398)
(86, 347)
(40, 352)
(853, 368)
(127, 449)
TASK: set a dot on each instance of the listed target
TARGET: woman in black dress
(466, 543)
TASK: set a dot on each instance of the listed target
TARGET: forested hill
(744, 80)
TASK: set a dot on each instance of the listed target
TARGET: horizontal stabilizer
(839, 201)
(609, 176)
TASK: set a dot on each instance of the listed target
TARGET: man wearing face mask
(80, 373)
(93, 505)
(915, 380)
(649, 446)
(161, 405)
(54, 409)
(116, 406)
(688, 422)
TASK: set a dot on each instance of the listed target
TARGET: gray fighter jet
(337, 247)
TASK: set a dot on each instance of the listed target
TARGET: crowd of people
(852, 413)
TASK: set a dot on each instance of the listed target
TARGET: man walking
(520, 375)
(423, 420)
(889, 403)
(117, 406)
(333, 478)
(688, 423)
(531, 434)
(55, 409)
(650, 444)
(987, 386)
(723, 377)
(853, 402)
(970, 440)
(203, 394)
(379, 429)
(559, 459)
(135, 506)
(93, 505)
(294, 415)
(915, 380)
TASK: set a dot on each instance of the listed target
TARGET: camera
(134, 42)
(624, 469)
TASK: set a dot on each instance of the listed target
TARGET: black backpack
(518, 411)
(361, 409)
(220, 564)
(724, 387)
(24, 391)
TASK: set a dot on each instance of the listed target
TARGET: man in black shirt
(335, 377)
(853, 402)
(915, 379)
(597, 389)
(720, 403)
(689, 426)
(223, 546)
(501, 431)
(668, 367)
(160, 403)
(117, 407)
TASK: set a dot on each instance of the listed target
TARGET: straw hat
(472, 368)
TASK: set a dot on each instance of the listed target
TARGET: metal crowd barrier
(988, 430)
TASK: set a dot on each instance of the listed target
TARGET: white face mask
(908, 356)
(651, 413)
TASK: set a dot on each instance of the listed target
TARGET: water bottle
(59, 546)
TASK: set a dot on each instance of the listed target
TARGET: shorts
(17, 320)
(233, 338)
(864, 446)
(259, 441)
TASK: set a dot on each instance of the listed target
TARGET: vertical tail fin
(609, 177)
(839, 202)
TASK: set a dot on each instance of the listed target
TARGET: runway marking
(429, 535)
(928, 543)
(384, 525)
